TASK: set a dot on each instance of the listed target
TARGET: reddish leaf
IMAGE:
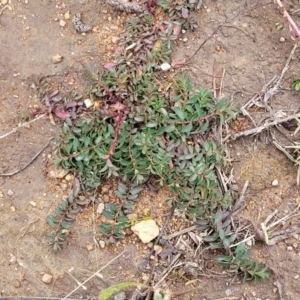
(109, 65)
(176, 29)
(185, 13)
(71, 104)
(62, 114)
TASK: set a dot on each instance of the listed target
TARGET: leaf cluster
(65, 214)
(240, 261)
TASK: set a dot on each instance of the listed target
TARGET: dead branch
(24, 167)
(22, 125)
(268, 124)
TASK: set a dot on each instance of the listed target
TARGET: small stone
(115, 39)
(13, 259)
(56, 58)
(208, 10)
(67, 16)
(158, 249)
(249, 243)
(132, 217)
(185, 40)
(165, 66)
(295, 245)
(296, 277)
(100, 208)
(289, 248)
(3, 2)
(17, 283)
(109, 19)
(10, 192)
(275, 182)
(90, 247)
(12, 208)
(105, 189)
(53, 172)
(69, 177)
(88, 103)
(102, 244)
(145, 277)
(253, 294)
(62, 23)
(47, 278)
(32, 203)
(105, 198)
(146, 230)
(295, 236)
(1, 194)
(275, 290)
(282, 39)
(183, 31)
(120, 296)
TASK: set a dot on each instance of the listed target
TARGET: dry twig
(24, 167)
(21, 125)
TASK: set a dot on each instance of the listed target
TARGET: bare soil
(251, 53)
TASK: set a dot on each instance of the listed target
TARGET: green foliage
(138, 133)
(239, 261)
(105, 294)
(296, 84)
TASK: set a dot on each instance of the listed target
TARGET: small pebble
(32, 203)
(67, 16)
(13, 259)
(109, 19)
(105, 189)
(100, 208)
(10, 192)
(165, 66)
(296, 277)
(102, 244)
(275, 182)
(275, 290)
(1, 194)
(115, 39)
(183, 31)
(3, 2)
(56, 58)
(69, 177)
(185, 40)
(282, 39)
(47, 278)
(295, 245)
(120, 296)
(289, 248)
(88, 103)
(62, 23)
(90, 247)
(12, 208)
(105, 198)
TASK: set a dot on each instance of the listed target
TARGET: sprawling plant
(136, 133)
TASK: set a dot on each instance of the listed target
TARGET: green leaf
(179, 112)
(187, 128)
(105, 294)
(151, 124)
(52, 221)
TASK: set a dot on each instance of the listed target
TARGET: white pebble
(296, 277)
(88, 103)
(10, 192)
(47, 278)
(275, 182)
(165, 66)
(282, 39)
(32, 203)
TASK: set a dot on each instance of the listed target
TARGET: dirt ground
(249, 48)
